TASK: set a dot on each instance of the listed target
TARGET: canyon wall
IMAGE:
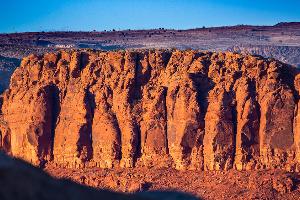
(182, 109)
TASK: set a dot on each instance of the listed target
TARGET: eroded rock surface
(186, 109)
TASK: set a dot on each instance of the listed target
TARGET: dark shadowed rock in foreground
(21, 181)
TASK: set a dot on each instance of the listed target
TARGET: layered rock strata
(186, 109)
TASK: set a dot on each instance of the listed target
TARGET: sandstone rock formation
(188, 109)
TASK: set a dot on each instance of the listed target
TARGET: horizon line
(157, 28)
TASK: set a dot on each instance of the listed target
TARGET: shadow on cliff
(19, 180)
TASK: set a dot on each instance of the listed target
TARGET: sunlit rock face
(185, 109)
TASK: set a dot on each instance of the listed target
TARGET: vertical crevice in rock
(83, 60)
(92, 103)
(55, 109)
(163, 57)
(75, 65)
(234, 126)
(165, 117)
(142, 74)
(84, 143)
(202, 87)
(138, 151)
(58, 58)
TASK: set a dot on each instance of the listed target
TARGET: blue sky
(87, 15)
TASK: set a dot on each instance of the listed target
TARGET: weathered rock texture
(188, 109)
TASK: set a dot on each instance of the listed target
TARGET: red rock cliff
(188, 109)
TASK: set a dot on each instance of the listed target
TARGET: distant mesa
(281, 24)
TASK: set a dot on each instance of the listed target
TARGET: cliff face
(187, 109)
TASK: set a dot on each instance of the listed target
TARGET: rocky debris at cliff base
(232, 184)
(283, 184)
